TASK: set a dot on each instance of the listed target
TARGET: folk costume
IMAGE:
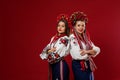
(82, 65)
(57, 65)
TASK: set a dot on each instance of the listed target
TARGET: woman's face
(61, 27)
(80, 26)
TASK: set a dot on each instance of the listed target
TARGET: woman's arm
(45, 51)
(63, 47)
(93, 52)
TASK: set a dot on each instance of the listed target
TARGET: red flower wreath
(78, 16)
(62, 17)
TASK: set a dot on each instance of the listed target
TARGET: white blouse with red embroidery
(62, 48)
(75, 49)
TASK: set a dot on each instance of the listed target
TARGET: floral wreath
(62, 17)
(78, 16)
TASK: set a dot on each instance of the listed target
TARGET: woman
(57, 49)
(82, 48)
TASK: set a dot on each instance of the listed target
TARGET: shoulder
(52, 38)
(72, 36)
(65, 37)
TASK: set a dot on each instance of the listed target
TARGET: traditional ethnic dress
(57, 65)
(82, 66)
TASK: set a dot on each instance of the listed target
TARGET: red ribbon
(82, 63)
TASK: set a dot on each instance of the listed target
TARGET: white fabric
(61, 48)
(75, 49)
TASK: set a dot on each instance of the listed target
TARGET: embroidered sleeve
(44, 54)
(97, 50)
(75, 49)
(63, 47)
(64, 41)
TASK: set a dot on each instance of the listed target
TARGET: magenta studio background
(27, 26)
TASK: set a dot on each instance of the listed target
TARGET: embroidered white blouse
(62, 47)
(75, 49)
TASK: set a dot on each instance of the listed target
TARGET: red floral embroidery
(49, 57)
(56, 55)
(64, 41)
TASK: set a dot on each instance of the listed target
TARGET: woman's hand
(52, 50)
(83, 52)
(89, 52)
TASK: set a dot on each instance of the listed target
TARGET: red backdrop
(28, 25)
